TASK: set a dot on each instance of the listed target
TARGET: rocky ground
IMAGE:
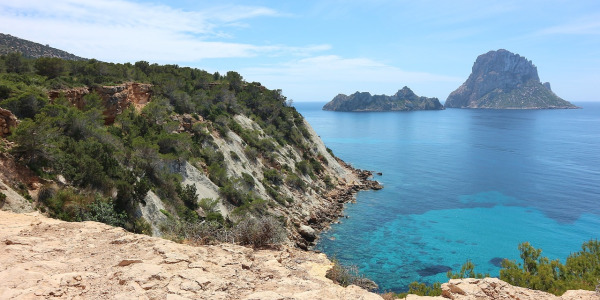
(496, 289)
(42, 258)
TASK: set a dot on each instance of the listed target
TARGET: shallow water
(462, 184)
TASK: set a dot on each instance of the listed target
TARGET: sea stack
(504, 80)
(404, 100)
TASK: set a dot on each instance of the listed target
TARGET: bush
(141, 226)
(466, 271)
(208, 205)
(273, 176)
(348, 275)
(104, 211)
(189, 196)
(304, 167)
(251, 153)
(259, 232)
(2, 199)
(295, 182)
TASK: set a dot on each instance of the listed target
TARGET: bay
(462, 184)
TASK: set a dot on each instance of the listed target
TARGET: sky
(314, 50)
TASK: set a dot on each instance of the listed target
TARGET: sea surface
(460, 185)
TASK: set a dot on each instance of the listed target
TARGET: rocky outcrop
(496, 289)
(7, 122)
(404, 100)
(503, 80)
(42, 258)
(114, 98)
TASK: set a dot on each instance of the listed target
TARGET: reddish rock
(7, 121)
(115, 98)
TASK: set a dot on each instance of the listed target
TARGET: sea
(462, 184)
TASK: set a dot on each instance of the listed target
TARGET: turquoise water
(462, 184)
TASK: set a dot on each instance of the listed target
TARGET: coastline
(332, 207)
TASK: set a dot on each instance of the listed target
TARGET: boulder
(307, 232)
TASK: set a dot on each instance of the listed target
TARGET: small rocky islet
(404, 100)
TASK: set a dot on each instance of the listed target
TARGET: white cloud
(311, 79)
(583, 26)
(120, 31)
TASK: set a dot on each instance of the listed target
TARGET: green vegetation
(110, 167)
(581, 270)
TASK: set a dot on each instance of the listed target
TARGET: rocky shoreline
(333, 208)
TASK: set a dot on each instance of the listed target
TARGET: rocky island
(504, 80)
(404, 100)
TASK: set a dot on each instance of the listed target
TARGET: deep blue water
(462, 184)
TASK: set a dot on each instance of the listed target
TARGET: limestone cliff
(404, 100)
(503, 80)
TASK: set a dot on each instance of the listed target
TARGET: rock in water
(504, 80)
(404, 100)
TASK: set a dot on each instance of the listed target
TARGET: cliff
(43, 258)
(404, 100)
(503, 80)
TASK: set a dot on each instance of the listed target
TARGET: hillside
(12, 44)
(404, 100)
(167, 150)
(503, 80)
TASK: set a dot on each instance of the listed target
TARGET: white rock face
(14, 201)
(152, 212)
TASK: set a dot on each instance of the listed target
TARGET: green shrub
(2, 199)
(273, 176)
(581, 270)
(295, 182)
(208, 205)
(188, 195)
(104, 211)
(251, 153)
(466, 271)
(141, 226)
(304, 167)
(234, 156)
(248, 180)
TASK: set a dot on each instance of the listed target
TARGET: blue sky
(313, 50)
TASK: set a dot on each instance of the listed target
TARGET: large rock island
(504, 80)
(403, 100)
